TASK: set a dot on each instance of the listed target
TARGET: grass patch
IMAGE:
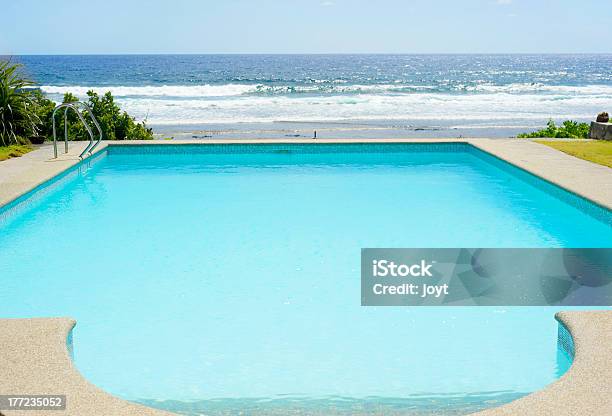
(15, 150)
(598, 151)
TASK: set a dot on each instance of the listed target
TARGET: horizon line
(300, 53)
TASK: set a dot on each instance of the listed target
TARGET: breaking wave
(418, 106)
(325, 89)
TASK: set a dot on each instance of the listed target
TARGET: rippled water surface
(218, 282)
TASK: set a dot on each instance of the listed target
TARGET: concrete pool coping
(584, 389)
(586, 179)
(36, 359)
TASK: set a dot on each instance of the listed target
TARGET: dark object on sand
(37, 139)
(603, 117)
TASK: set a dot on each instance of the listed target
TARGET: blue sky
(305, 26)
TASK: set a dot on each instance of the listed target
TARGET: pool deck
(587, 179)
(22, 174)
(35, 359)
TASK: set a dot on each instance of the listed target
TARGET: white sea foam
(156, 91)
(229, 90)
(236, 103)
(539, 87)
(234, 90)
(417, 106)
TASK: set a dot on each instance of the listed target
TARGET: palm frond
(18, 117)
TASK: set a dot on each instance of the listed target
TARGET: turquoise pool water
(219, 278)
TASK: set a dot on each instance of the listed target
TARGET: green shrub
(115, 124)
(569, 129)
(18, 115)
(44, 110)
(26, 112)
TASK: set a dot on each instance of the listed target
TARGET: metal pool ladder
(75, 106)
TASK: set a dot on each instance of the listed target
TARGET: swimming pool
(200, 275)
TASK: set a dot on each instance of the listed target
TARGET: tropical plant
(44, 109)
(115, 124)
(18, 118)
(569, 129)
(26, 112)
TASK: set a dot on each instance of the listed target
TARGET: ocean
(339, 96)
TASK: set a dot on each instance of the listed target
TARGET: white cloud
(504, 2)
(327, 3)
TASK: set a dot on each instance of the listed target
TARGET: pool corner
(584, 389)
(36, 360)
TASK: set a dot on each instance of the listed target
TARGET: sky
(305, 26)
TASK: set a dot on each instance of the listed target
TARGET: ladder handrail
(89, 147)
(74, 106)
